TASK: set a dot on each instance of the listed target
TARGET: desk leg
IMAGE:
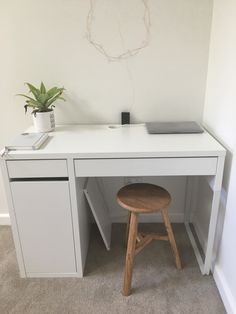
(214, 215)
(190, 207)
(211, 232)
(206, 265)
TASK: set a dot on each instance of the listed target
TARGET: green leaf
(26, 96)
(34, 90)
(54, 98)
(43, 98)
(51, 92)
(32, 101)
(32, 104)
(42, 88)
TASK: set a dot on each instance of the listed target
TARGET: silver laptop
(173, 127)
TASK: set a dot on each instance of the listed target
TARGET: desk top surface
(116, 141)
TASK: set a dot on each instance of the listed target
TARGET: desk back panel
(175, 185)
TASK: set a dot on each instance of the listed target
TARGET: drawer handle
(38, 179)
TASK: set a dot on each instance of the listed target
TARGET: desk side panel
(84, 220)
(80, 217)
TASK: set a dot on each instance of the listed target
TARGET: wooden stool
(144, 198)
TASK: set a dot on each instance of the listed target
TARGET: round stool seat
(143, 197)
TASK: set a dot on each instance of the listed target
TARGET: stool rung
(145, 238)
(141, 245)
(155, 236)
(139, 237)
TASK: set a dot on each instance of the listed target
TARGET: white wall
(219, 117)
(45, 40)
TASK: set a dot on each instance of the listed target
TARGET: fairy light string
(127, 53)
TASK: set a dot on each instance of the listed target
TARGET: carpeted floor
(158, 287)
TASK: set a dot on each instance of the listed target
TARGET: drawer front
(37, 168)
(145, 167)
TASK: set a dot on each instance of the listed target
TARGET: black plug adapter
(125, 117)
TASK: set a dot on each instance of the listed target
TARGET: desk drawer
(145, 167)
(37, 168)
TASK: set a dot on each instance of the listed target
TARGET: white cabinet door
(43, 214)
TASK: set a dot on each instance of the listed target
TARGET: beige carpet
(157, 286)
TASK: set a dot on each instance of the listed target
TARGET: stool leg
(127, 229)
(130, 254)
(171, 238)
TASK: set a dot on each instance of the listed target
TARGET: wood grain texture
(171, 238)
(143, 197)
(127, 229)
(130, 254)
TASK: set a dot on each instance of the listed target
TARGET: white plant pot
(44, 121)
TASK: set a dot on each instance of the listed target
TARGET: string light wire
(127, 53)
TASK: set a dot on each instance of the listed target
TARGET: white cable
(127, 53)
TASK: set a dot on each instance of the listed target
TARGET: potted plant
(42, 104)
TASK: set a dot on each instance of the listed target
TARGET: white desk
(48, 211)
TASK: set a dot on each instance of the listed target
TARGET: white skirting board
(5, 219)
(225, 292)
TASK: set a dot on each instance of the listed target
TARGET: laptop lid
(173, 127)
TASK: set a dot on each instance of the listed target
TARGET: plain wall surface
(219, 117)
(46, 40)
